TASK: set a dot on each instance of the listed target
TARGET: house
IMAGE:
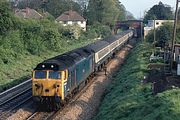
(28, 13)
(70, 18)
(155, 24)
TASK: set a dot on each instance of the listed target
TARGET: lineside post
(174, 35)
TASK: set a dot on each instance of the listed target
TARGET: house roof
(28, 13)
(70, 16)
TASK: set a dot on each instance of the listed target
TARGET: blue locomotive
(55, 80)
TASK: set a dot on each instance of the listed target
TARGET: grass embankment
(128, 99)
(20, 69)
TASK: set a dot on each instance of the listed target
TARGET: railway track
(41, 116)
(15, 90)
(13, 98)
(52, 115)
(9, 106)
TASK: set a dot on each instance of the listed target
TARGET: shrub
(6, 19)
(52, 39)
(163, 36)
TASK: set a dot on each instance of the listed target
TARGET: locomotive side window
(54, 75)
(40, 74)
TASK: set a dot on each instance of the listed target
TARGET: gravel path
(87, 105)
(23, 113)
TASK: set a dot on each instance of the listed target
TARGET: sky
(138, 7)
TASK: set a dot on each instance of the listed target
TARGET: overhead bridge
(136, 25)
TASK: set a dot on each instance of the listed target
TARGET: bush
(72, 32)
(163, 36)
(98, 30)
(32, 40)
(7, 55)
(52, 39)
(6, 19)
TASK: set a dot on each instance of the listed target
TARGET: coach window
(54, 75)
(40, 74)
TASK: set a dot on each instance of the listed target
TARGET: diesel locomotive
(56, 79)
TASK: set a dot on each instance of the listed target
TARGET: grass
(17, 71)
(128, 99)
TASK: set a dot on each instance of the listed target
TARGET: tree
(83, 4)
(54, 7)
(163, 35)
(129, 16)
(6, 21)
(160, 12)
(57, 7)
(106, 12)
(94, 11)
(111, 12)
(35, 4)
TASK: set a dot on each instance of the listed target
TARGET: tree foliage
(163, 35)
(54, 7)
(129, 16)
(6, 20)
(57, 7)
(94, 11)
(159, 12)
(83, 4)
(106, 12)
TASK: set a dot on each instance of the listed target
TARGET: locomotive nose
(46, 88)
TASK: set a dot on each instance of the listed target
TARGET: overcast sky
(138, 7)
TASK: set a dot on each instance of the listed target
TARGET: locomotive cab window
(40, 74)
(54, 75)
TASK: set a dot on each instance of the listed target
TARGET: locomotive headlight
(56, 86)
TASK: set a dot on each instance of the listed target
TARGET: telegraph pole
(154, 32)
(142, 37)
(174, 35)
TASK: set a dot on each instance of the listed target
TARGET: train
(56, 80)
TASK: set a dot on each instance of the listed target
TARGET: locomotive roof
(96, 46)
(65, 60)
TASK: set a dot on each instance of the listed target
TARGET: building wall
(147, 31)
(82, 24)
(158, 23)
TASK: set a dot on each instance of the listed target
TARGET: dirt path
(87, 105)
